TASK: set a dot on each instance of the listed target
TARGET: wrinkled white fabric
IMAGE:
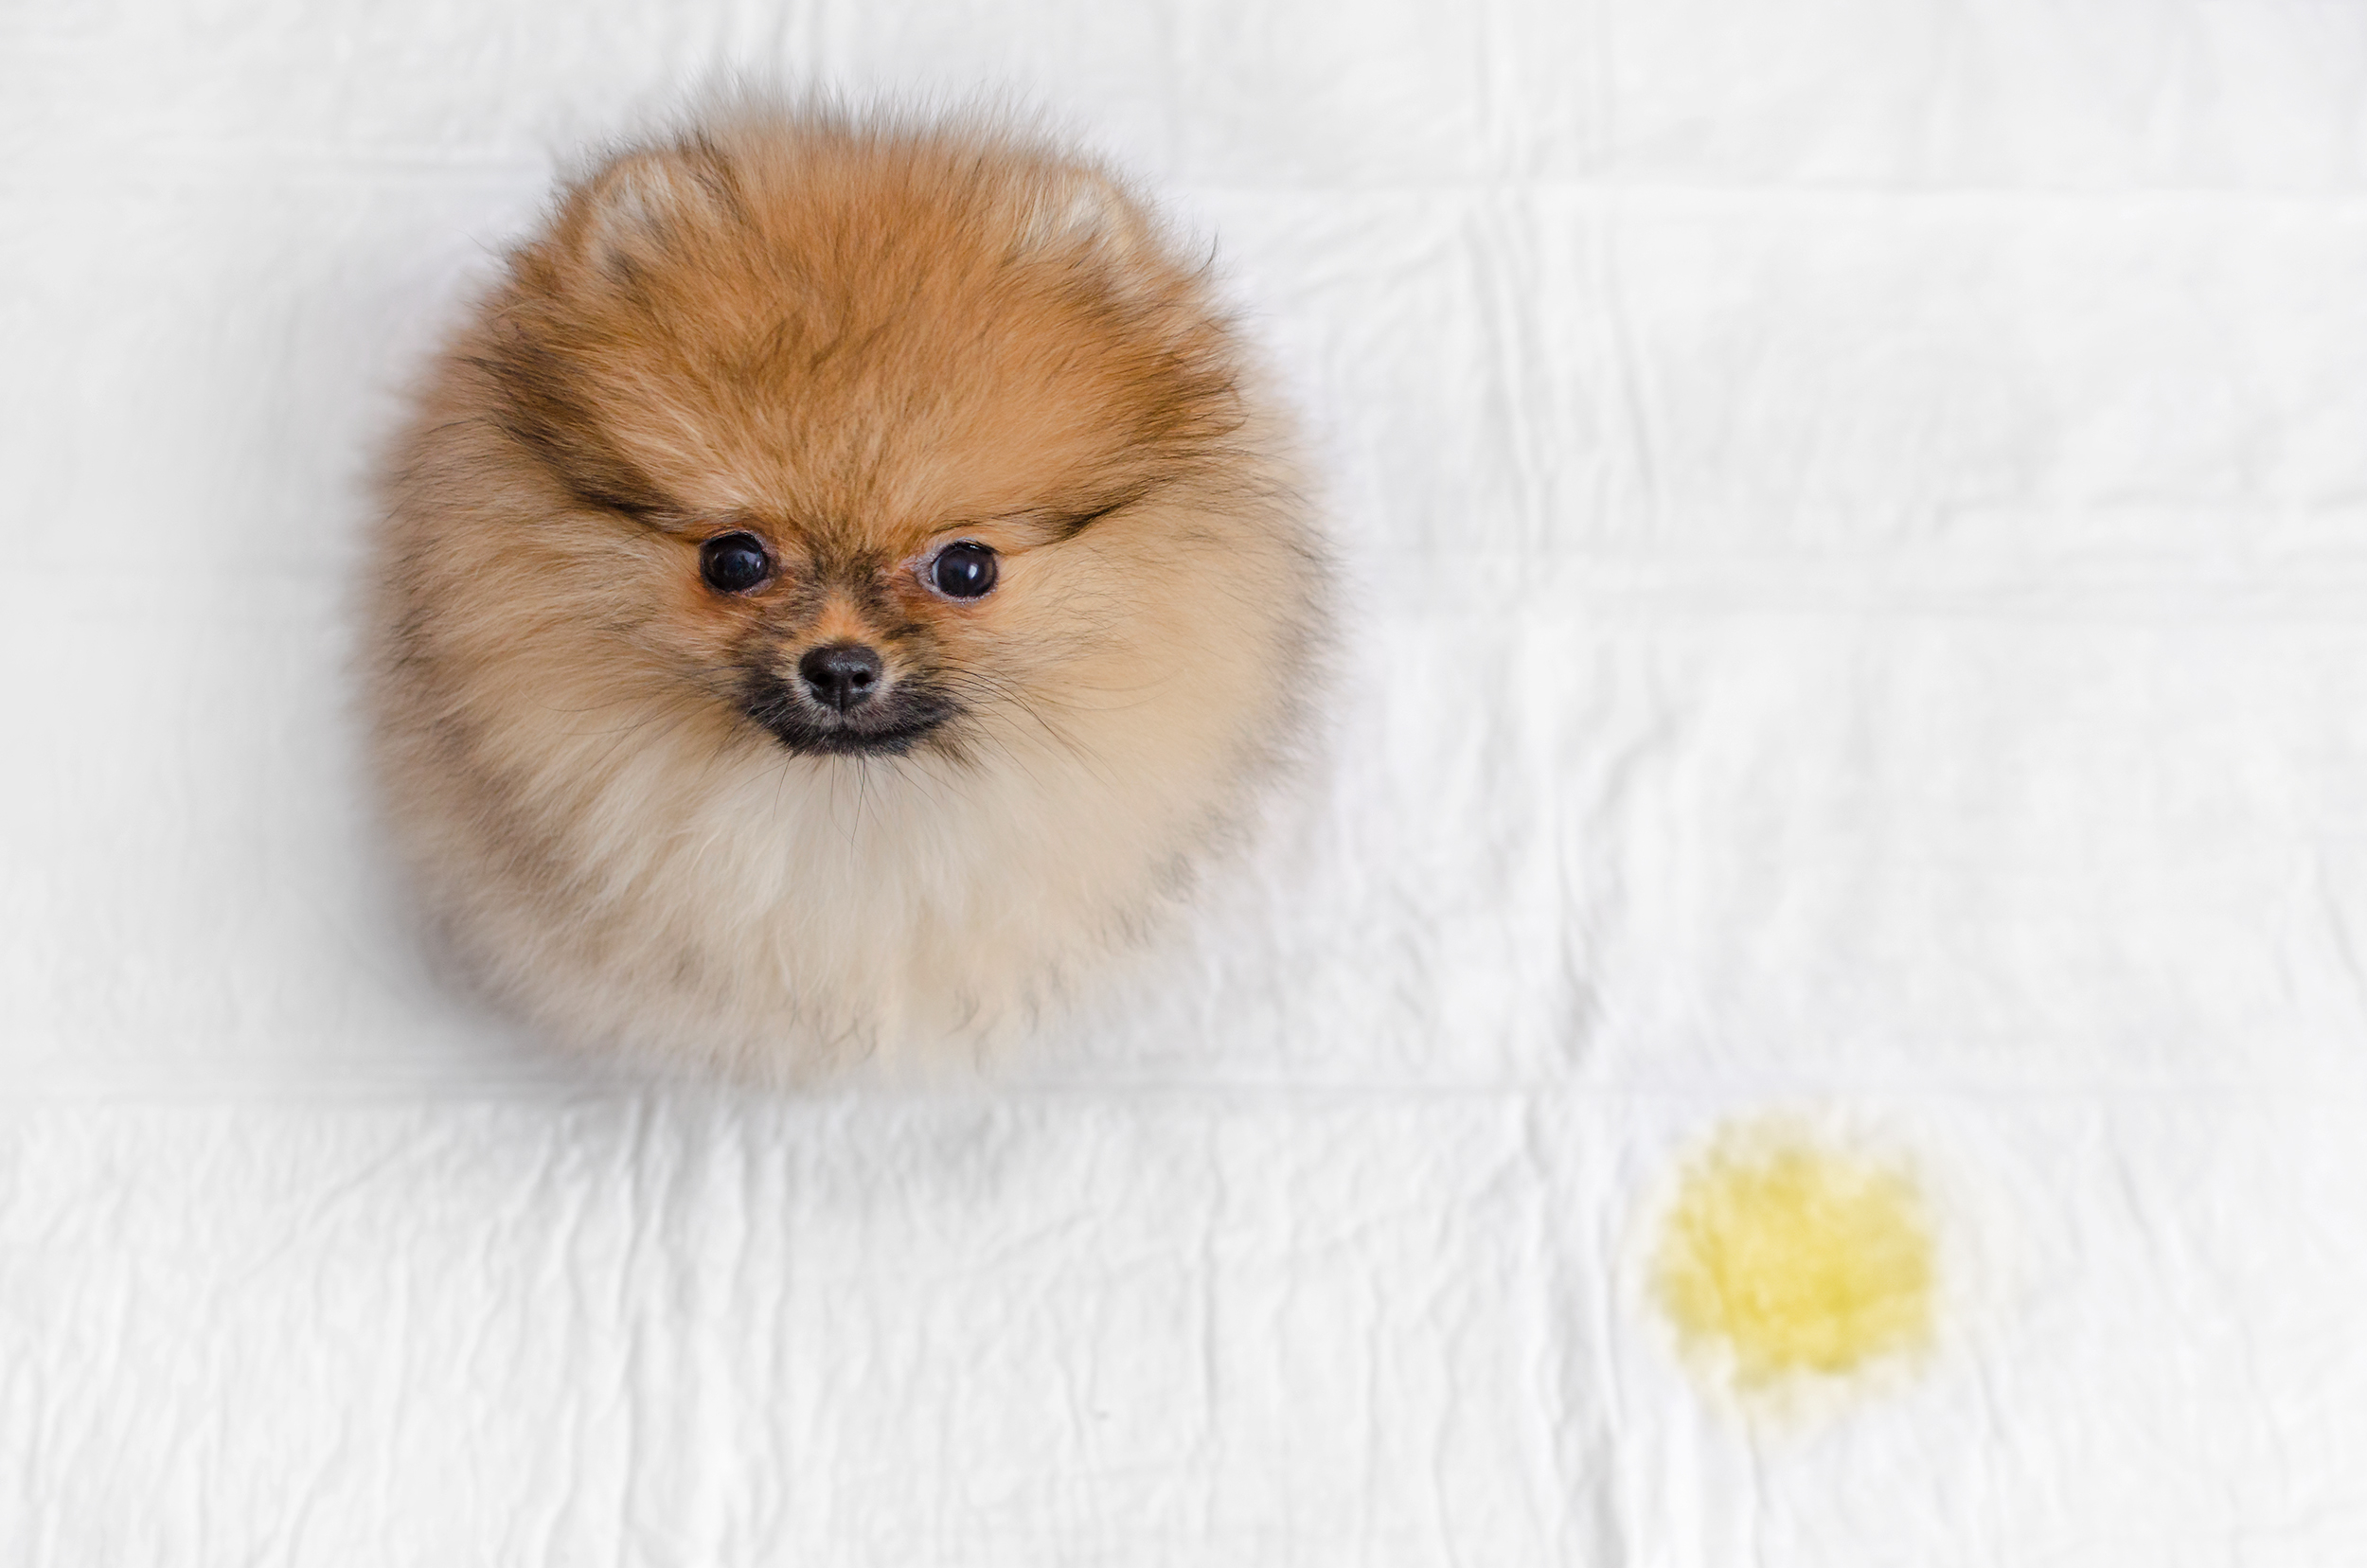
(1855, 526)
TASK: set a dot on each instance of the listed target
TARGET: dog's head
(882, 442)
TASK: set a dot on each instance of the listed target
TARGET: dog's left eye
(735, 562)
(964, 569)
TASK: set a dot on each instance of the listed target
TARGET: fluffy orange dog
(834, 593)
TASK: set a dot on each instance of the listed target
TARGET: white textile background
(1856, 519)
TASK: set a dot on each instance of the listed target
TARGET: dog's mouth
(887, 725)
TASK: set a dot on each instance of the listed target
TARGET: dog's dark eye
(963, 570)
(735, 562)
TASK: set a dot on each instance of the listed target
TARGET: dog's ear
(1080, 211)
(637, 206)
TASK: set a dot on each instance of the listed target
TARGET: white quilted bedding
(1856, 522)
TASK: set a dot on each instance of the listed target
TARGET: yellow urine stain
(1791, 1258)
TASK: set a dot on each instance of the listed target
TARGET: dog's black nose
(841, 676)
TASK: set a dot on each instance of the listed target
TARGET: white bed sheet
(1856, 524)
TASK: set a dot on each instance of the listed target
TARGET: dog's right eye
(735, 562)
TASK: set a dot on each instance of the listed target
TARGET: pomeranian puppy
(834, 594)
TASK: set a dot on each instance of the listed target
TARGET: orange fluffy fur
(854, 342)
